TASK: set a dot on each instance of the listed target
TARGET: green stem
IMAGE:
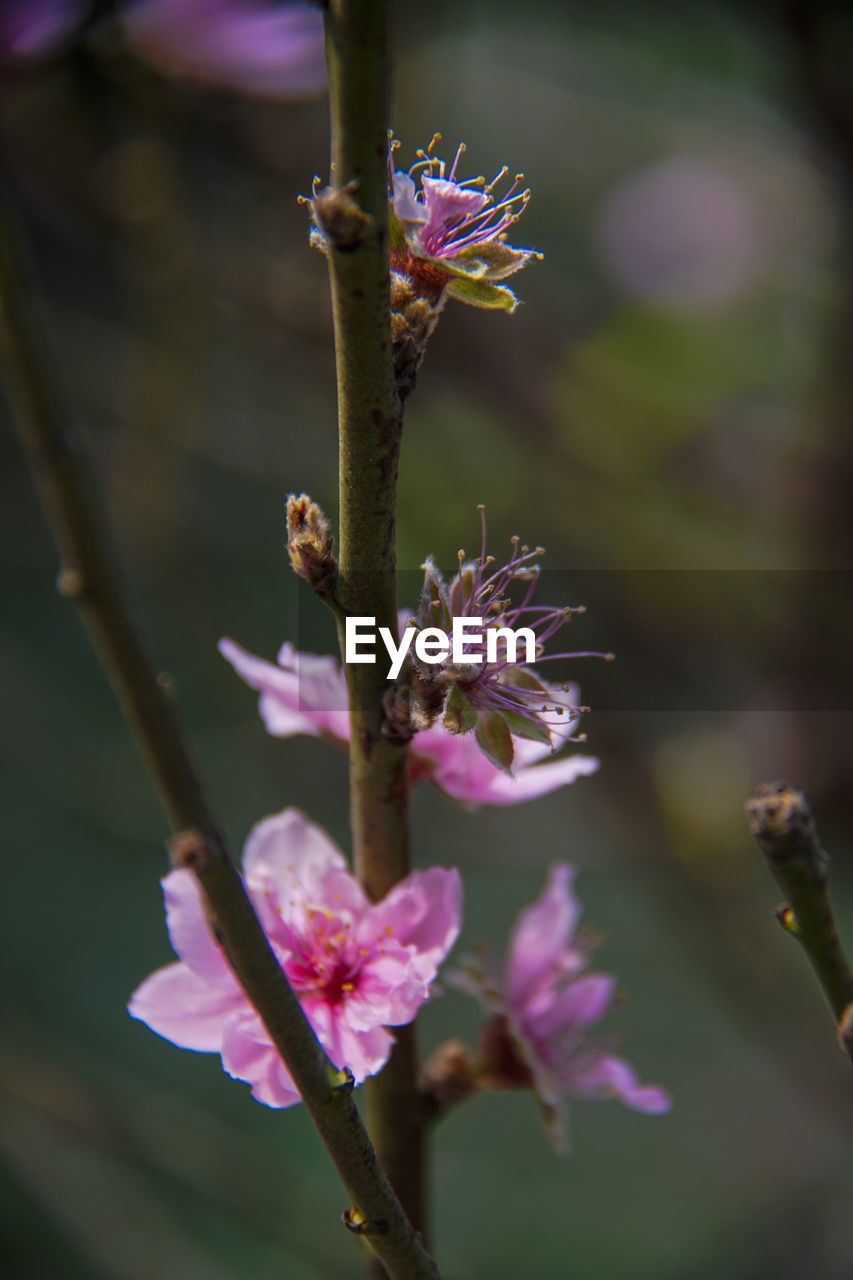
(781, 821)
(370, 424)
(92, 577)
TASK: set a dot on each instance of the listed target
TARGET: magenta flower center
(323, 958)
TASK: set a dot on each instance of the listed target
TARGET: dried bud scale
(339, 223)
(309, 544)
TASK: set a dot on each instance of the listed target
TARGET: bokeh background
(669, 414)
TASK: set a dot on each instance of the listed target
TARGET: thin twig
(781, 821)
(92, 578)
(355, 220)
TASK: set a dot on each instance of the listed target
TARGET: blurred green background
(675, 395)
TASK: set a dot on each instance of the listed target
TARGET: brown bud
(340, 223)
(309, 544)
(448, 1075)
(503, 1065)
(413, 319)
(782, 825)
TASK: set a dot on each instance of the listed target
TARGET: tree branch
(355, 222)
(781, 822)
(92, 578)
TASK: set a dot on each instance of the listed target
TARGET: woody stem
(370, 424)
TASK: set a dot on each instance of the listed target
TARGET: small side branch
(92, 578)
(781, 821)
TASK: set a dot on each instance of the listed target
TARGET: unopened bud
(413, 320)
(782, 825)
(448, 1075)
(309, 544)
(339, 222)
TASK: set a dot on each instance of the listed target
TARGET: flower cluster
(306, 693)
(356, 967)
(448, 240)
(513, 715)
(499, 699)
(448, 237)
(544, 1003)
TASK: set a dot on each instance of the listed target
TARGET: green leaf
(535, 730)
(523, 678)
(461, 591)
(479, 293)
(433, 610)
(459, 715)
(491, 260)
(397, 233)
(494, 738)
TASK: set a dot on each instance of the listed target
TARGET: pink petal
(541, 935)
(408, 208)
(447, 202)
(287, 857)
(584, 1001)
(613, 1077)
(178, 1005)
(363, 1052)
(305, 693)
(391, 987)
(455, 763)
(423, 911)
(247, 1054)
(189, 932)
(537, 780)
(251, 47)
(34, 28)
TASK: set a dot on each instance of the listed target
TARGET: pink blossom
(250, 46)
(544, 1004)
(445, 216)
(356, 967)
(448, 237)
(494, 697)
(306, 693)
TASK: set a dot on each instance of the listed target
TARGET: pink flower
(306, 693)
(355, 967)
(274, 50)
(544, 1005)
(492, 696)
(448, 237)
(445, 217)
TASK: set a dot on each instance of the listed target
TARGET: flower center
(323, 961)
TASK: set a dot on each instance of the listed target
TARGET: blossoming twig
(781, 821)
(92, 577)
